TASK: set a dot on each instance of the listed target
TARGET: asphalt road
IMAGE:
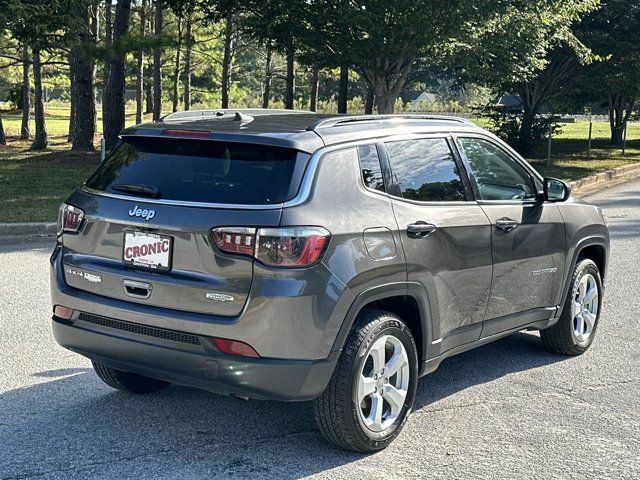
(506, 410)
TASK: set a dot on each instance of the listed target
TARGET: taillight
(70, 218)
(292, 247)
(235, 239)
(235, 347)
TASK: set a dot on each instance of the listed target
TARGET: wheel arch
(595, 248)
(408, 300)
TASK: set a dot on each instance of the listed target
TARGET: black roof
(296, 129)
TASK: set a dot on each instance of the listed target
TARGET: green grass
(33, 184)
(569, 151)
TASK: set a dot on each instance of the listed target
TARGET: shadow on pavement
(75, 420)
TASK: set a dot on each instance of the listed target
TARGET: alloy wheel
(585, 307)
(383, 383)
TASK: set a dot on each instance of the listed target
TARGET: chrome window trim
(180, 203)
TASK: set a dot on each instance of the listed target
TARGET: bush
(506, 123)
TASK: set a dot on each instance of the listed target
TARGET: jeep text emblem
(144, 213)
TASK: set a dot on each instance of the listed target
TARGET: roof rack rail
(226, 112)
(344, 119)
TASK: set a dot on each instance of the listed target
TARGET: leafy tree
(40, 24)
(613, 33)
(383, 41)
(528, 48)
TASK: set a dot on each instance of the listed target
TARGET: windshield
(201, 171)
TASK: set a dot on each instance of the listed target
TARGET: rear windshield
(201, 171)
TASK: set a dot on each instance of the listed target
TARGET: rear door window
(425, 170)
(201, 171)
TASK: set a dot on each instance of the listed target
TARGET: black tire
(127, 381)
(561, 338)
(337, 411)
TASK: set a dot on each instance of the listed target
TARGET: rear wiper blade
(142, 190)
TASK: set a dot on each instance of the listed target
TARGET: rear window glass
(201, 171)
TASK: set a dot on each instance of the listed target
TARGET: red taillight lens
(276, 247)
(234, 347)
(70, 218)
(186, 133)
(291, 247)
(235, 239)
(63, 312)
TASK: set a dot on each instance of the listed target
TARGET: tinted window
(497, 175)
(425, 170)
(370, 167)
(203, 171)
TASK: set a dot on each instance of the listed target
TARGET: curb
(609, 178)
(10, 232)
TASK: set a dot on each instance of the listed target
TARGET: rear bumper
(199, 366)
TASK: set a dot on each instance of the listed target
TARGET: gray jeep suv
(292, 256)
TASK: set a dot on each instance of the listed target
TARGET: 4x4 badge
(143, 213)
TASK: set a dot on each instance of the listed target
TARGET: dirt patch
(54, 155)
(66, 157)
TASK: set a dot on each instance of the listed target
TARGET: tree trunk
(73, 93)
(140, 65)
(176, 68)
(227, 58)
(620, 109)
(108, 40)
(157, 62)
(384, 101)
(266, 92)
(26, 103)
(525, 140)
(40, 140)
(313, 102)
(343, 88)
(95, 32)
(148, 91)
(289, 94)
(386, 84)
(187, 63)
(3, 137)
(113, 106)
(368, 102)
(84, 82)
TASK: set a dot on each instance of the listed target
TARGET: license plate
(147, 250)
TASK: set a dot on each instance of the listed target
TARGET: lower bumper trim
(190, 365)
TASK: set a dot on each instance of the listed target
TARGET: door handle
(507, 224)
(137, 289)
(420, 229)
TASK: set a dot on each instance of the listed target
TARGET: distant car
(292, 256)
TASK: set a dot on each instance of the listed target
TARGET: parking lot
(506, 410)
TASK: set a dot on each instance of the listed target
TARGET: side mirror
(556, 190)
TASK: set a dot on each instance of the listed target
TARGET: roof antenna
(243, 118)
